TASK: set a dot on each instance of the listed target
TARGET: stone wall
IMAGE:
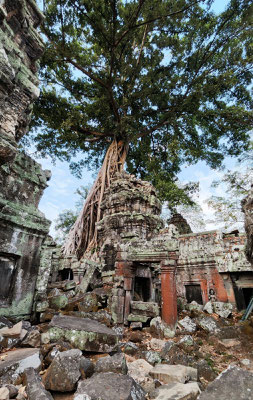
(20, 48)
(22, 230)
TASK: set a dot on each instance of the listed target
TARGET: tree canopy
(169, 78)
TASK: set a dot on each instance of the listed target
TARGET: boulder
(188, 325)
(64, 371)
(16, 362)
(13, 332)
(58, 302)
(34, 388)
(139, 371)
(32, 339)
(89, 303)
(109, 386)
(209, 325)
(234, 383)
(176, 391)
(208, 307)
(174, 373)
(4, 393)
(82, 333)
(224, 310)
(152, 357)
(157, 344)
(115, 363)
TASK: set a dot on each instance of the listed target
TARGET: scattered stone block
(34, 388)
(13, 332)
(115, 363)
(136, 325)
(176, 391)
(82, 333)
(64, 371)
(145, 308)
(69, 285)
(188, 324)
(194, 306)
(205, 370)
(208, 307)
(16, 362)
(138, 318)
(87, 367)
(234, 383)
(224, 310)
(208, 324)
(32, 339)
(186, 340)
(13, 391)
(174, 373)
(157, 344)
(89, 303)
(4, 322)
(176, 355)
(58, 302)
(229, 343)
(4, 393)
(139, 371)
(130, 348)
(152, 357)
(166, 349)
(110, 386)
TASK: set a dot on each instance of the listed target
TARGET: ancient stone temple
(22, 226)
(20, 48)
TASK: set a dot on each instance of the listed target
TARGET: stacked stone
(130, 210)
(20, 48)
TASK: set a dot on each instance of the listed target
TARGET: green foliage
(169, 77)
(227, 208)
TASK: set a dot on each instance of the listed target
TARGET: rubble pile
(78, 356)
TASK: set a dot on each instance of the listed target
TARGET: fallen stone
(186, 340)
(130, 348)
(157, 327)
(208, 307)
(32, 339)
(174, 373)
(110, 386)
(135, 336)
(208, 324)
(115, 363)
(81, 397)
(152, 357)
(168, 333)
(4, 393)
(176, 355)
(58, 302)
(224, 310)
(13, 332)
(34, 388)
(64, 371)
(166, 349)
(89, 303)
(229, 343)
(176, 391)
(136, 325)
(82, 333)
(149, 309)
(157, 344)
(138, 318)
(234, 383)
(188, 324)
(69, 285)
(16, 362)
(42, 306)
(139, 371)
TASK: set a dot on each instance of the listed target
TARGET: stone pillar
(169, 294)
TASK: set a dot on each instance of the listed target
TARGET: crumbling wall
(22, 230)
(20, 48)
(247, 207)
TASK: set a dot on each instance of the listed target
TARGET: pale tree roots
(82, 236)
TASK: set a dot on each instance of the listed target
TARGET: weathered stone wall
(247, 207)
(20, 48)
(211, 260)
(22, 229)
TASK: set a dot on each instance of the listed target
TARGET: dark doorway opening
(193, 293)
(65, 274)
(247, 294)
(7, 272)
(142, 289)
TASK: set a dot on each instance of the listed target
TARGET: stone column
(169, 294)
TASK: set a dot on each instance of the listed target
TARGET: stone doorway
(193, 293)
(7, 273)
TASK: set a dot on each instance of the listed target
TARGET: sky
(60, 194)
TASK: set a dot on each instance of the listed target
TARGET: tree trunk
(82, 236)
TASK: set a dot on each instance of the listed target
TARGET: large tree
(163, 82)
